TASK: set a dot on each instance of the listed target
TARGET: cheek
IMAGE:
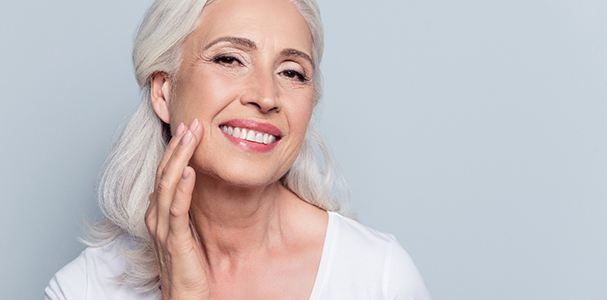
(203, 94)
(299, 112)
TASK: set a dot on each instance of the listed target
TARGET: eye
(226, 60)
(295, 75)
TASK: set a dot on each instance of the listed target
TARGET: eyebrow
(234, 40)
(294, 52)
(246, 43)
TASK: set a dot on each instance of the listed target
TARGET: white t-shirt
(357, 262)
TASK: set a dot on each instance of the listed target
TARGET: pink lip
(257, 126)
(251, 146)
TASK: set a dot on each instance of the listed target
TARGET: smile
(249, 134)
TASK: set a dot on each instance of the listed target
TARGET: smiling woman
(215, 189)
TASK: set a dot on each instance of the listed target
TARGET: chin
(240, 172)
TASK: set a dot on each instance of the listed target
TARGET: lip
(251, 146)
(257, 126)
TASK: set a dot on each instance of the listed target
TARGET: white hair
(130, 168)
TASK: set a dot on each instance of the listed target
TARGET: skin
(254, 238)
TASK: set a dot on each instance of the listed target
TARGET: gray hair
(130, 168)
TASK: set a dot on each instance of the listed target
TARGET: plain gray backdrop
(475, 131)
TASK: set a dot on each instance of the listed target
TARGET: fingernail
(194, 125)
(180, 129)
(184, 174)
(186, 138)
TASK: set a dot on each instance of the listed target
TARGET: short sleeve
(403, 280)
(70, 282)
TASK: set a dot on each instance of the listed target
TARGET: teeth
(249, 134)
(259, 137)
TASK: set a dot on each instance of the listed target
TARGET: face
(245, 66)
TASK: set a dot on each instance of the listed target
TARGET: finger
(150, 215)
(179, 217)
(151, 224)
(179, 132)
(171, 176)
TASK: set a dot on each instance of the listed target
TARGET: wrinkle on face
(272, 43)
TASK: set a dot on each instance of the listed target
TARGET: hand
(183, 265)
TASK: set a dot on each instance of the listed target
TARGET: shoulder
(94, 274)
(69, 282)
(402, 279)
(353, 239)
(377, 259)
(355, 232)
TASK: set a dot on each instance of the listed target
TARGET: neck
(235, 222)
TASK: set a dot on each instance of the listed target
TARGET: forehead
(276, 23)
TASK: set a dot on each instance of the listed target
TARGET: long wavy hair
(129, 170)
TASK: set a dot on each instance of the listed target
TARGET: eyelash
(220, 59)
(228, 60)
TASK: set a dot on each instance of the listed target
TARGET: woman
(213, 190)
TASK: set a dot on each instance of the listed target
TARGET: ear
(160, 92)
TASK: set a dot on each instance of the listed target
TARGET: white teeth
(259, 137)
(249, 134)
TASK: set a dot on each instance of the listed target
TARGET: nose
(262, 93)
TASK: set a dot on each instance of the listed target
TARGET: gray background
(472, 130)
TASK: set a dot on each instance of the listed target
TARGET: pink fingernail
(180, 129)
(186, 138)
(184, 174)
(194, 125)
